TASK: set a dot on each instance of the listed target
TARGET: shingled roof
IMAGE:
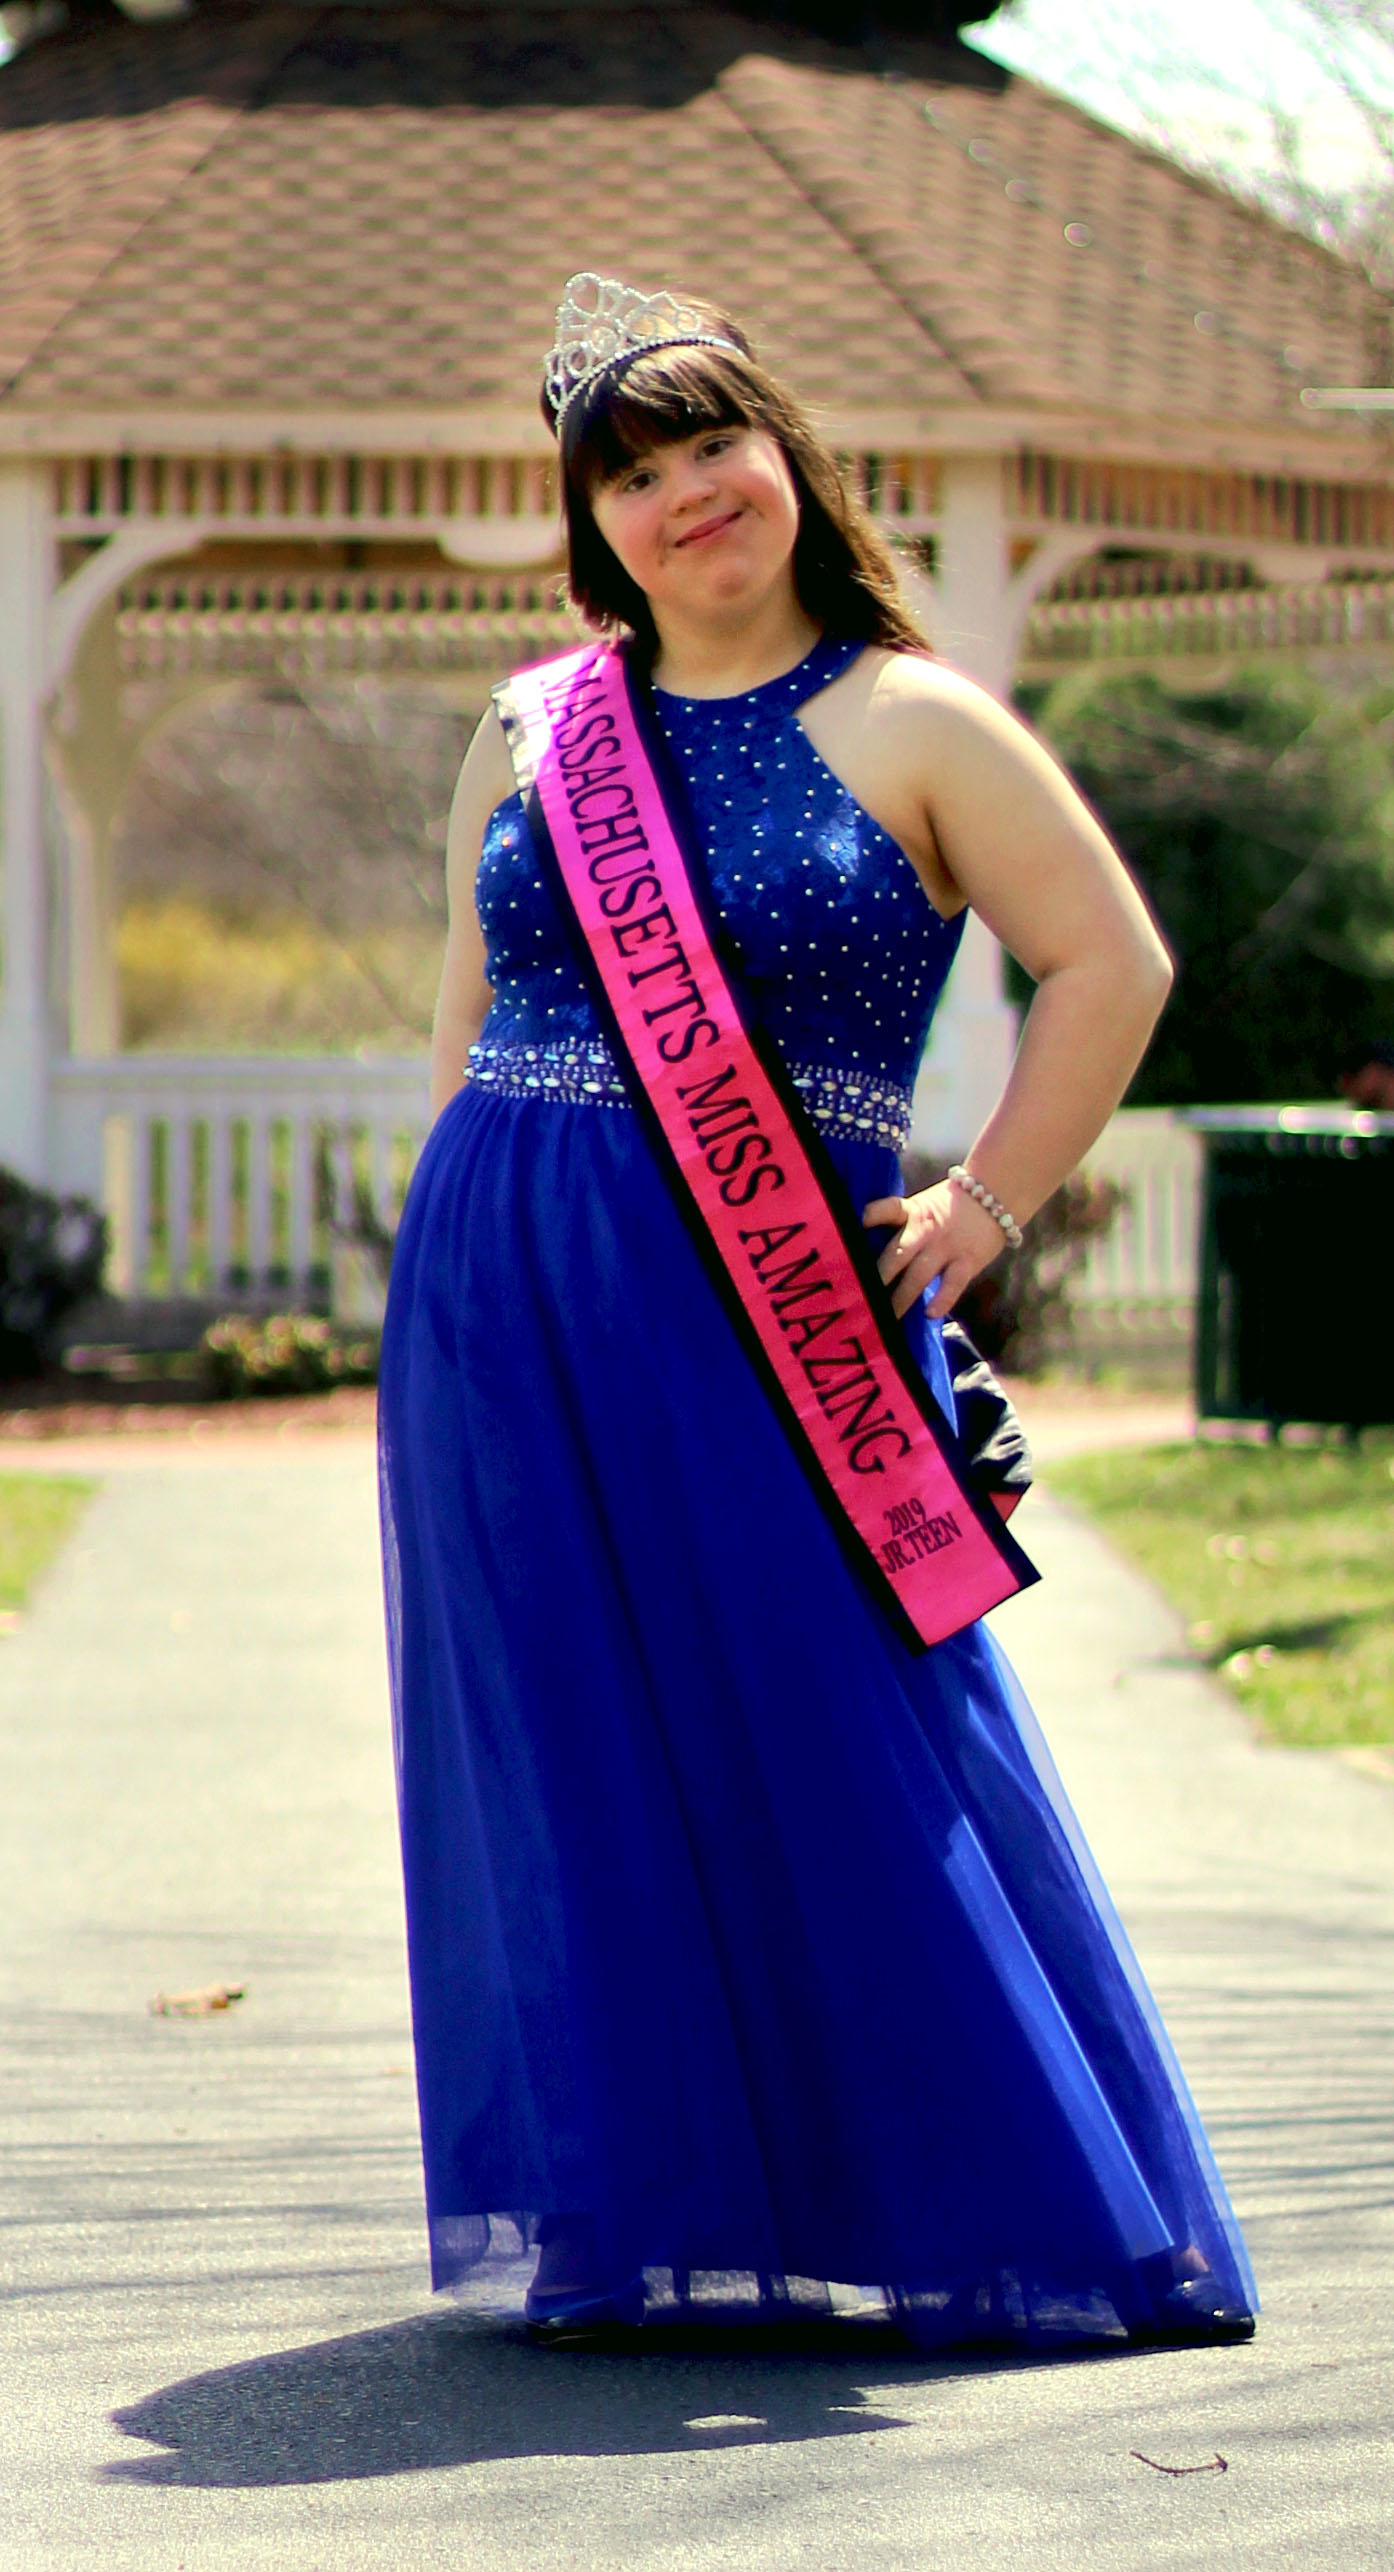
(326, 206)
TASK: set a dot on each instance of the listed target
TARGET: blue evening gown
(762, 1948)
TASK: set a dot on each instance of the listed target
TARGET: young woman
(756, 1957)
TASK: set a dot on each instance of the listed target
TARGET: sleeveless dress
(766, 1949)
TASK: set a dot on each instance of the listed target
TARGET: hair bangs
(661, 398)
(842, 566)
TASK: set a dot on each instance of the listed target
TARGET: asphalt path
(219, 2350)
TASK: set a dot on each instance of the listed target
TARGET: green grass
(1281, 1560)
(37, 1511)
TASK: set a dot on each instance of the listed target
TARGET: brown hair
(843, 569)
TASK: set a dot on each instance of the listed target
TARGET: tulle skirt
(763, 1949)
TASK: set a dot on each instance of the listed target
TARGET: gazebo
(274, 277)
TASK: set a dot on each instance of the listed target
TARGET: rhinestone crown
(600, 323)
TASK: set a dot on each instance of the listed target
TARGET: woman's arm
(462, 1002)
(1029, 857)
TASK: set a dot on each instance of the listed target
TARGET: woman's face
(706, 524)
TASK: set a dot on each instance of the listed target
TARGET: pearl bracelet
(990, 1205)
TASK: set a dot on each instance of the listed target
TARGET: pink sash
(735, 1139)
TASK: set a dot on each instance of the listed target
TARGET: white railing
(1151, 1254)
(236, 1173)
(241, 1173)
(169, 622)
(1209, 621)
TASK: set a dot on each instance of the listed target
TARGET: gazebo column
(26, 1028)
(973, 616)
(93, 749)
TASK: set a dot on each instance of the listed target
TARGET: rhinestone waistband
(580, 1071)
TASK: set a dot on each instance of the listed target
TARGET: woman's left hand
(942, 1233)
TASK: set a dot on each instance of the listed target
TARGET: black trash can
(1296, 1309)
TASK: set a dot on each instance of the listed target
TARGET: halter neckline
(824, 661)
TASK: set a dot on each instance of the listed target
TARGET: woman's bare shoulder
(485, 781)
(487, 768)
(924, 711)
(915, 682)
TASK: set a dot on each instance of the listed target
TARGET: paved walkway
(220, 2349)
(1062, 1419)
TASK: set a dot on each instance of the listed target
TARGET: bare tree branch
(326, 803)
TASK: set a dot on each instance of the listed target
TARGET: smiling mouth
(710, 527)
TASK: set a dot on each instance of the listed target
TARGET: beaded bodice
(841, 954)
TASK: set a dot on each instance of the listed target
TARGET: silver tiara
(600, 323)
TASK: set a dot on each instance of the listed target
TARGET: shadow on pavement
(449, 2390)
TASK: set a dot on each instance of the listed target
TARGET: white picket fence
(236, 1173)
(1152, 1253)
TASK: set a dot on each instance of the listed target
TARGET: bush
(1017, 1312)
(199, 978)
(286, 1353)
(1258, 817)
(52, 1251)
